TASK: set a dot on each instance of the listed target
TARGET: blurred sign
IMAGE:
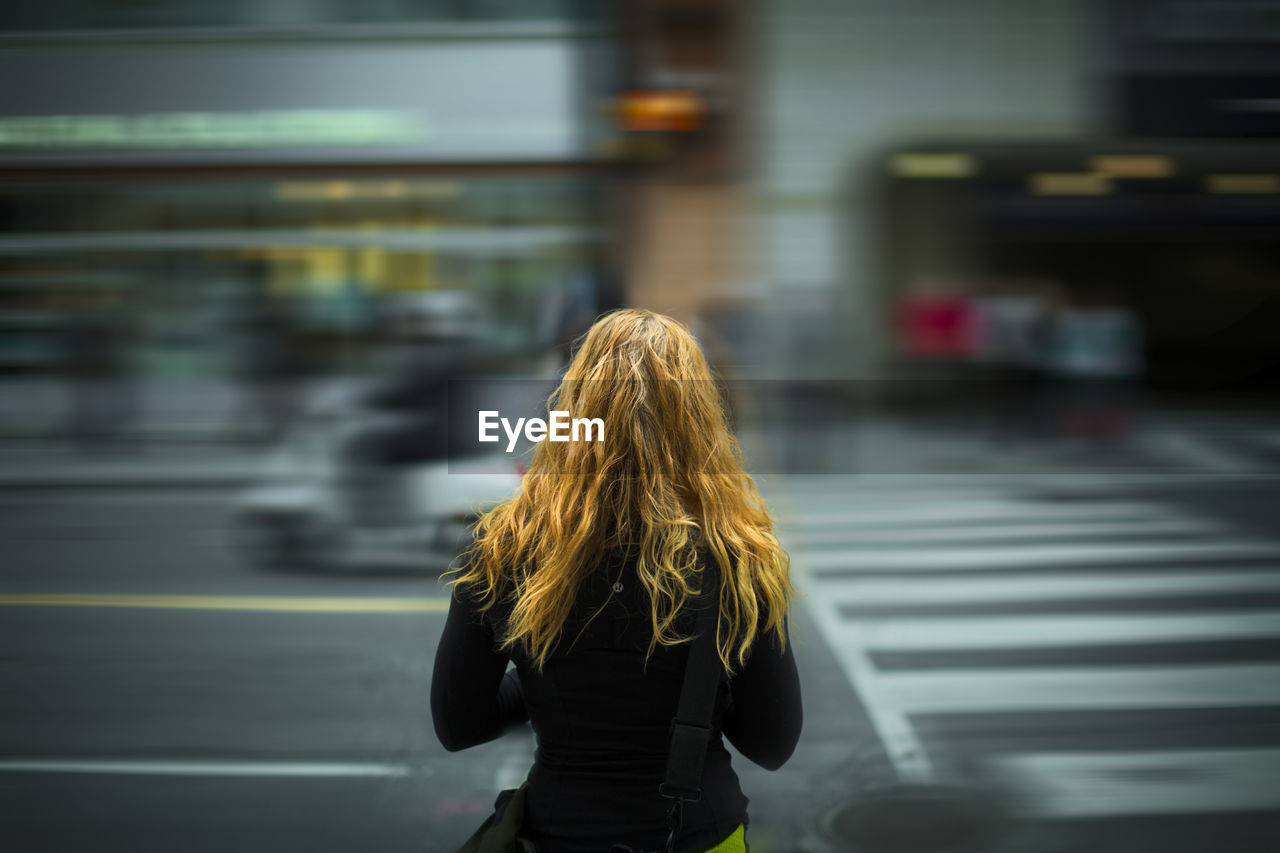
(213, 130)
(660, 111)
(1133, 165)
(932, 165)
(1242, 184)
(1069, 183)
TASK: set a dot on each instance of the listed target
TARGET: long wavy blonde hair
(667, 482)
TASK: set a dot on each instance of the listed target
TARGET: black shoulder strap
(691, 727)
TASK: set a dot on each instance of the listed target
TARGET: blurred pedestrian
(270, 366)
(1095, 357)
(938, 323)
(592, 580)
(98, 350)
(569, 309)
(1013, 320)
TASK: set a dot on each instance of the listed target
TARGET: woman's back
(602, 708)
(588, 579)
(602, 714)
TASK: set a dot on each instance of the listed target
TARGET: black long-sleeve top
(602, 717)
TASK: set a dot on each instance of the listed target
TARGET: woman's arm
(765, 717)
(473, 697)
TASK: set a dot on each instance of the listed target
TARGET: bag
(500, 832)
(735, 843)
(690, 734)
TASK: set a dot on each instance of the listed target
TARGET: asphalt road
(1061, 665)
(156, 693)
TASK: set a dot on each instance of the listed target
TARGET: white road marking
(896, 733)
(962, 589)
(1083, 688)
(997, 532)
(204, 768)
(1185, 448)
(999, 632)
(902, 486)
(957, 558)
(861, 487)
(848, 529)
(877, 515)
(1098, 784)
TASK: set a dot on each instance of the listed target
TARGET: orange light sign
(660, 111)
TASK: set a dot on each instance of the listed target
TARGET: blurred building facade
(1123, 148)
(806, 165)
(841, 84)
(683, 93)
(301, 170)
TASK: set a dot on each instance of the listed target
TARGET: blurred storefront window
(291, 182)
(1177, 239)
(339, 255)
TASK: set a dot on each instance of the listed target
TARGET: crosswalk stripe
(1134, 587)
(863, 534)
(892, 725)
(955, 558)
(877, 515)
(1183, 448)
(998, 632)
(856, 488)
(951, 590)
(1098, 784)
(1083, 688)
(1025, 481)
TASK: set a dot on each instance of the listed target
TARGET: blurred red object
(938, 326)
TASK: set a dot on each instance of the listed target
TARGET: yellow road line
(280, 603)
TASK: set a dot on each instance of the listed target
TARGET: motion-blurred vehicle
(314, 509)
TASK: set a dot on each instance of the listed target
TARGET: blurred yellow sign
(933, 165)
(1242, 184)
(1133, 165)
(1069, 183)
